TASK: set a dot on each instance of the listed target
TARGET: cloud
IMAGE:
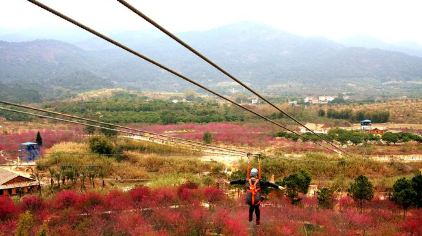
(389, 20)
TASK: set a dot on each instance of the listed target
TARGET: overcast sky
(388, 20)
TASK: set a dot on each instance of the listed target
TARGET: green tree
(38, 139)
(355, 138)
(207, 137)
(404, 194)
(168, 117)
(390, 137)
(361, 190)
(101, 145)
(325, 198)
(321, 112)
(417, 186)
(296, 183)
(25, 224)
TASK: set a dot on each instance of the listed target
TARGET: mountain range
(271, 60)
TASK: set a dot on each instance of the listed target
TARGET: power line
(120, 45)
(120, 126)
(187, 46)
(100, 127)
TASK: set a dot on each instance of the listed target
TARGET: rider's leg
(251, 209)
(258, 214)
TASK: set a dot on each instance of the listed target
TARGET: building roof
(7, 175)
(29, 143)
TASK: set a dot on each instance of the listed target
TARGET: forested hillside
(269, 59)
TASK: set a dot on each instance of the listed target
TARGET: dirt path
(399, 158)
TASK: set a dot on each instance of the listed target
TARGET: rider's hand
(281, 187)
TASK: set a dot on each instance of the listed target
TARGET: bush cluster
(352, 136)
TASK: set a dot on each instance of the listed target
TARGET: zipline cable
(120, 45)
(119, 126)
(190, 48)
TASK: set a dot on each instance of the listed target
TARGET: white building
(311, 100)
(320, 100)
(325, 99)
(254, 101)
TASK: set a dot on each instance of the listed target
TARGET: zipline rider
(254, 184)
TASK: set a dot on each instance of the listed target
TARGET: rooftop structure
(12, 183)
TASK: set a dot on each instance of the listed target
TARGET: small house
(12, 183)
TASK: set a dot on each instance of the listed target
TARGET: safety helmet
(254, 172)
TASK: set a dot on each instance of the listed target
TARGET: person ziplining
(254, 184)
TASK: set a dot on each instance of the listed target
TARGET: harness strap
(253, 189)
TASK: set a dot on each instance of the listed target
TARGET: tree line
(118, 109)
(356, 116)
(353, 136)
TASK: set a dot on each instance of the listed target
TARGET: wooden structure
(12, 183)
(376, 131)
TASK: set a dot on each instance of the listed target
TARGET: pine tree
(361, 190)
(404, 194)
(38, 139)
(207, 138)
(296, 183)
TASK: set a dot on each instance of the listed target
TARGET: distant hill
(410, 48)
(16, 93)
(269, 59)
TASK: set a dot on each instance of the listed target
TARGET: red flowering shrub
(359, 220)
(8, 226)
(413, 223)
(164, 196)
(7, 208)
(287, 229)
(141, 196)
(130, 224)
(213, 195)
(234, 227)
(346, 202)
(10, 142)
(165, 211)
(90, 201)
(117, 200)
(310, 202)
(244, 134)
(166, 218)
(186, 195)
(32, 203)
(229, 222)
(65, 199)
(187, 192)
(198, 219)
(64, 216)
(63, 230)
